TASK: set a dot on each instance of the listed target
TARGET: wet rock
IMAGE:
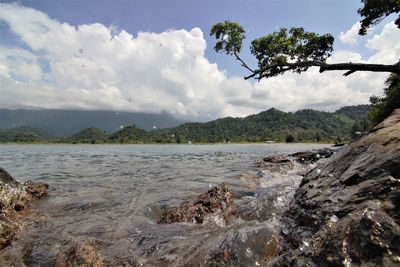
(347, 210)
(15, 197)
(286, 161)
(253, 247)
(214, 201)
(313, 156)
(276, 163)
(36, 190)
(7, 231)
(80, 255)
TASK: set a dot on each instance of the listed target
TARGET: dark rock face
(346, 211)
(15, 197)
(213, 201)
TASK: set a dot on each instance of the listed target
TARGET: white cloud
(92, 66)
(350, 37)
(387, 45)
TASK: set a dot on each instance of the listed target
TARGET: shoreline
(172, 144)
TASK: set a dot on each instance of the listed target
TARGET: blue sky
(219, 90)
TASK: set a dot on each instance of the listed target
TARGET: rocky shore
(346, 211)
(15, 198)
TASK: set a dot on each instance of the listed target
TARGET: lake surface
(112, 196)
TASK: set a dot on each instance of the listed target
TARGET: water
(112, 195)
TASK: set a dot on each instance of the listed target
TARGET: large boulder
(346, 211)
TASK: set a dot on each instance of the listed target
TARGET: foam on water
(112, 196)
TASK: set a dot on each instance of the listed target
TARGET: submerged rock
(80, 255)
(214, 201)
(15, 197)
(254, 246)
(346, 211)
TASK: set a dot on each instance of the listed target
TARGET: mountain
(67, 122)
(355, 112)
(272, 124)
(26, 134)
(90, 135)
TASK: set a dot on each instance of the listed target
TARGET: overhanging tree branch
(279, 68)
(297, 50)
(243, 63)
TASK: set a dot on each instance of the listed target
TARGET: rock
(253, 247)
(79, 255)
(347, 210)
(36, 190)
(276, 163)
(7, 231)
(313, 156)
(214, 201)
(286, 161)
(15, 197)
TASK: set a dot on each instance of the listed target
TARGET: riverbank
(222, 143)
(265, 217)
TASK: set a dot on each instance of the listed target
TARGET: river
(112, 196)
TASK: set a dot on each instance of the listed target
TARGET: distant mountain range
(64, 123)
(105, 126)
(271, 125)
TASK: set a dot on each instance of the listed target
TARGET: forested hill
(271, 125)
(68, 122)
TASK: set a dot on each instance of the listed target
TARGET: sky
(157, 56)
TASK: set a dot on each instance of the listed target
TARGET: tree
(26, 137)
(289, 138)
(297, 50)
(384, 106)
(374, 11)
(356, 129)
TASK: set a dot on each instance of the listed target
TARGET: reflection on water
(112, 195)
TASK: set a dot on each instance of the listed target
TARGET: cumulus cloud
(92, 66)
(350, 37)
(386, 44)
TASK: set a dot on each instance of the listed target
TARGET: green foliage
(25, 134)
(297, 50)
(374, 11)
(384, 106)
(91, 135)
(130, 134)
(25, 137)
(230, 35)
(289, 138)
(355, 112)
(356, 129)
(271, 125)
(276, 49)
